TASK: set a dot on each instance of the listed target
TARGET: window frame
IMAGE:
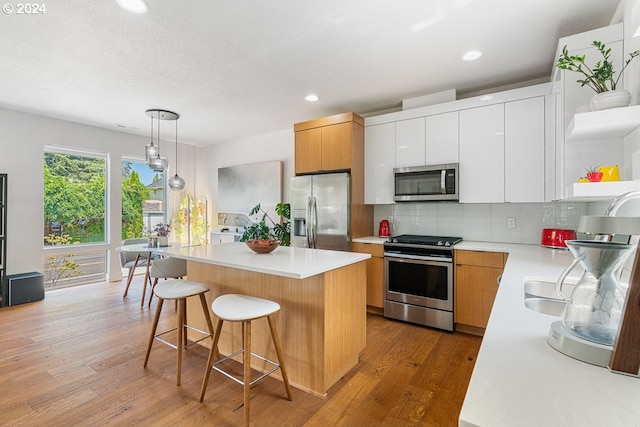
(83, 247)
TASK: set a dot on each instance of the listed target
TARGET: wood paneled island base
(322, 322)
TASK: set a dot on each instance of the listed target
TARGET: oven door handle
(402, 257)
(443, 181)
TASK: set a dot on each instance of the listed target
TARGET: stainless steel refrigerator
(320, 211)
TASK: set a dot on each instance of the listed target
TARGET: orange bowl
(262, 246)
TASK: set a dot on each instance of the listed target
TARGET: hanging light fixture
(151, 150)
(176, 183)
(159, 163)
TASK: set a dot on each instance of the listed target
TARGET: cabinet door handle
(498, 279)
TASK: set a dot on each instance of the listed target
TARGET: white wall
(24, 137)
(262, 148)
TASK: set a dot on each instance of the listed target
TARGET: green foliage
(60, 266)
(602, 73)
(261, 231)
(74, 194)
(134, 193)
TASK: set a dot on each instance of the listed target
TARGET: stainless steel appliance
(320, 211)
(422, 183)
(419, 279)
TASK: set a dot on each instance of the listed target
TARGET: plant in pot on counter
(262, 237)
(601, 78)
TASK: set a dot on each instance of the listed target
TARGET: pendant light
(151, 150)
(159, 163)
(176, 183)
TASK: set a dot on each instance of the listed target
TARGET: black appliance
(419, 279)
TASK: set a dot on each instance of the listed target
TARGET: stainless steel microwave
(426, 183)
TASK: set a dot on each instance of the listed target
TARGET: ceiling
(235, 69)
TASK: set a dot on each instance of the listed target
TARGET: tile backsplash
(484, 222)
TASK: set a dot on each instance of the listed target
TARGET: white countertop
(297, 263)
(519, 379)
(371, 240)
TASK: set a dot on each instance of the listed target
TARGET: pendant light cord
(176, 147)
(158, 134)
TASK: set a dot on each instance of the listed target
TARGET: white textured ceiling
(238, 68)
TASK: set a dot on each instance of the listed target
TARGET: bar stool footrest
(205, 334)
(240, 381)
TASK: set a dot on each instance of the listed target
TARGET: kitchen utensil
(385, 228)
(595, 305)
(556, 237)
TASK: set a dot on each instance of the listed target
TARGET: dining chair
(131, 260)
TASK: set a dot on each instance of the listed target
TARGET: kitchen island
(322, 322)
(518, 379)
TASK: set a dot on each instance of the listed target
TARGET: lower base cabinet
(477, 276)
(375, 273)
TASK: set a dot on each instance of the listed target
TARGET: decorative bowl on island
(262, 246)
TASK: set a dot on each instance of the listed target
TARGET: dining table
(142, 250)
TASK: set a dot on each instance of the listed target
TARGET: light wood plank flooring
(76, 359)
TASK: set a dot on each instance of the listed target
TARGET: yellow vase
(610, 173)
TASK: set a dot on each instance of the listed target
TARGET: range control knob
(440, 243)
(447, 243)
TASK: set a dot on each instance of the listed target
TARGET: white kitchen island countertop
(297, 263)
(519, 380)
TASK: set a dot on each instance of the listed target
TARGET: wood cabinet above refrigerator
(328, 144)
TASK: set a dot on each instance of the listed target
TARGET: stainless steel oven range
(419, 279)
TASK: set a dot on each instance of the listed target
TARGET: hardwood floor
(76, 359)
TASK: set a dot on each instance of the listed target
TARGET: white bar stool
(245, 308)
(179, 290)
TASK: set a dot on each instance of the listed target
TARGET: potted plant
(161, 232)
(594, 174)
(262, 237)
(601, 78)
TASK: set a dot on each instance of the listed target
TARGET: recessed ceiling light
(486, 98)
(134, 6)
(472, 55)
(311, 98)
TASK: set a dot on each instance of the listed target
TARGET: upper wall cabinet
(410, 142)
(427, 140)
(482, 154)
(327, 144)
(503, 146)
(502, 152)
(524, 143)
(442, 138)
(379, 161)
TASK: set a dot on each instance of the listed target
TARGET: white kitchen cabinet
(524, 144)
(482, 154)
(441, 136)
(379, 161)
(410, 142)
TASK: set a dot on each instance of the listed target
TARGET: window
(143, 198)
(74, 197)
(74, 216)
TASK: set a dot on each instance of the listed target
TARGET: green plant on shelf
(600, 78)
